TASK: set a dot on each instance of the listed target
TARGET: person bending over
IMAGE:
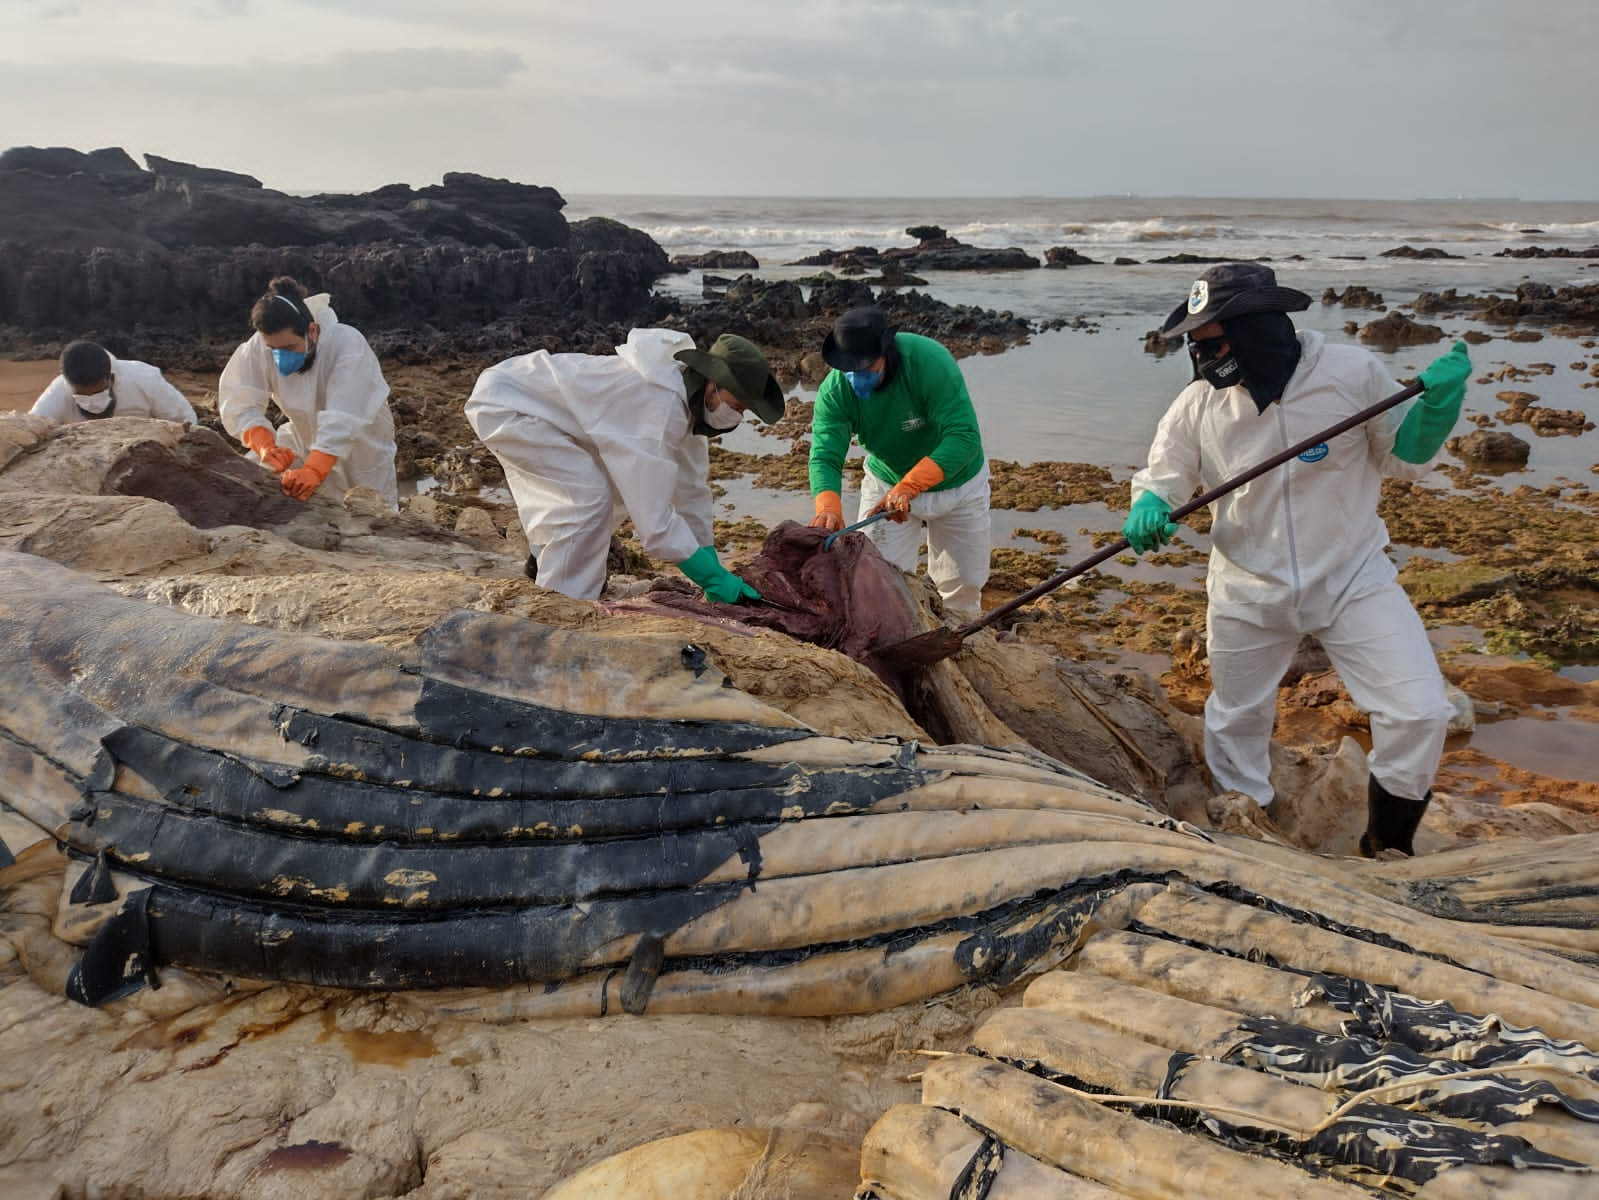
(327, 382)
(93, 385)
(581, 436)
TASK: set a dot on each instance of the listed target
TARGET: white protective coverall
(139, 390)
(579, 434)
(338, 406)
(959, 532)
(1302, 550)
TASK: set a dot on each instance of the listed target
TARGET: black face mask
(1262, 354)
(1267, 349)
(1217, 368)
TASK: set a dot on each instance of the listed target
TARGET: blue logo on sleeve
(1315, 454)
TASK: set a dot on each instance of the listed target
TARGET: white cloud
(1350, 97)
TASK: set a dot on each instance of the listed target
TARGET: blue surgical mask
(864, 382)
(288, 361)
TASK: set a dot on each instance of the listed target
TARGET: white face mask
(96, 403)
(723, 417)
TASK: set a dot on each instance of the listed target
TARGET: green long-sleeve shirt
(924, 411)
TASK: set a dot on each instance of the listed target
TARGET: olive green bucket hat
(738, 365)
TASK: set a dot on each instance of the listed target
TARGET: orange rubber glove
(274, 457)
(912, 484)
(829, 512)
(303, 481)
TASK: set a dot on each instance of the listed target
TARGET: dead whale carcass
(508, 803)
(1208, 1048)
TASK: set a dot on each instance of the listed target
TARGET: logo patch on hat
(1199, 296)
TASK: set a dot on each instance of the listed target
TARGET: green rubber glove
(1436, 410)
(715, 580)
(1149, 525)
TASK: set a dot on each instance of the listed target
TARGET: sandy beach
(21, 381)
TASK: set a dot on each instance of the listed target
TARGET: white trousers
(959, 534)
(565, 501)
(1379, 648)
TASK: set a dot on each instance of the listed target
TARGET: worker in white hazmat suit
(1301, 550)
(94, 385)
(580, 435)
(326, 381)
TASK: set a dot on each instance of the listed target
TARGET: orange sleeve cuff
(320, 462)
(829, 502)
(922, 476)
(259, 438)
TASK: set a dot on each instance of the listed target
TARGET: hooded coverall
(338, 405)
(139, 389)
(580, 434)
(922, 410)
(1301, 550)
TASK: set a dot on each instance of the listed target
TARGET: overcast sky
(1336, 98)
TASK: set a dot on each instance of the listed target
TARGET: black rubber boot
(1391, 821)
(531, 568)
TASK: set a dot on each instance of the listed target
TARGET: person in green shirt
(902, 397)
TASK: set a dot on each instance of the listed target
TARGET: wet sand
(21, 382)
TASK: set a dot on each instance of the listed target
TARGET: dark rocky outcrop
(1535, 301)
(717, 260)
(855, 256)
(1354, 296)
(1186, 259)
(1490, 446)
(789, 326)
(67, 200)
(947, 254)
(1065, 256)
(1413, 252)
(182, 303)
(1553, 252)
(173, 257)
(934, 251)
(171, 168)
(892, 276)
(62, 160)
(1396, 329)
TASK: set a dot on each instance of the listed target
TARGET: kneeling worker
(93, 385)
(903, 396)
(579, 433)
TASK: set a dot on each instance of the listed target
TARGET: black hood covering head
(1267, 349)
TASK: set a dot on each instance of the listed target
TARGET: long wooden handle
(1198, 502)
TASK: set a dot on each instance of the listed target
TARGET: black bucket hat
(1231, 290)
(860, 337)
(738, 365)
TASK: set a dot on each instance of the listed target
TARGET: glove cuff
(829, 502)
(320, 463)
(923, 475)
(259, 438)
(1151, 502)
(702, 565)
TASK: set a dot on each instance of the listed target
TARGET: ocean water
(1105, 227)
(1094, 395)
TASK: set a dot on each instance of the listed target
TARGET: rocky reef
(176, 253)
